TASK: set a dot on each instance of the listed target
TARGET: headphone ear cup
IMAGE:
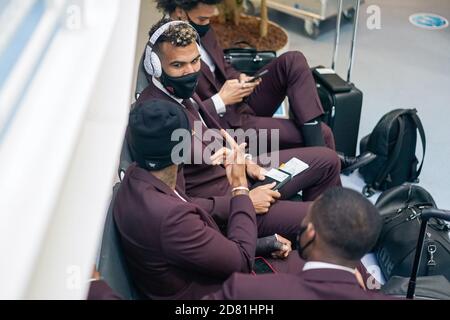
(156, 65)
(148, 61)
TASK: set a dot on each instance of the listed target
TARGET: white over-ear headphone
(152, 63)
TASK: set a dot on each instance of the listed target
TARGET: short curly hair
(169, 6)
(180, 35)
(347, 222)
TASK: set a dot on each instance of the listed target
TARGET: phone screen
(258, 76)
(262, 266)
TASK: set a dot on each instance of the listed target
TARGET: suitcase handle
(426, 215)
(338, 36)
(355, 32)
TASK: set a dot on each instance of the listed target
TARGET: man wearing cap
(175, 63)
(173, 247)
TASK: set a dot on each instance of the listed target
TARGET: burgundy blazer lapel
(153, 92)
(212, 119)
(210, 44)
(209, 75)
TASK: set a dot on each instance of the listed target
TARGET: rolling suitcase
(341, 100)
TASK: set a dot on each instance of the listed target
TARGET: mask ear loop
(301, 249)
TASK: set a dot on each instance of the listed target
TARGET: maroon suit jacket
(202, 177)
(174, 249)
(210, 84)
(318, 284)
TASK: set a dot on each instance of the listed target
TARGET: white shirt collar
(207, 59)
(159, 85)
(312, 265)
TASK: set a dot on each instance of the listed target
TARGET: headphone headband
(158, 33)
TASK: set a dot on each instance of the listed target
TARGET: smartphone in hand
(275, 175)
(258, 76)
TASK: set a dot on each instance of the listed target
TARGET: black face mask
(201, 29)
(300, 249)
(181, 87)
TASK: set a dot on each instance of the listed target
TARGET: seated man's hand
(263, 197)
(220, 156)
(233, 91)
(284, 252)
(235, 163)
(243, 78)
(255, 172)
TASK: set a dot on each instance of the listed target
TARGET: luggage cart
(313, 12)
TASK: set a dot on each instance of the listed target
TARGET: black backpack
(401, 209)
(393, 141)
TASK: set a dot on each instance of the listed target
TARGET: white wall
(58, 157)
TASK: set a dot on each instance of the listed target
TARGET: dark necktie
(192, 108)
(195, 110)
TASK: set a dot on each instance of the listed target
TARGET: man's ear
(310, 231)
(179, 14)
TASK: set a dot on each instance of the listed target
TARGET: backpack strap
(392, 159)
(419, 126)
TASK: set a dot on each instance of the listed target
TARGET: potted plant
(233, 26)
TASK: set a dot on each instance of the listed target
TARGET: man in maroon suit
(174, 249)
(175, 65)
(240, 104)
(224, 90)
(340, 228)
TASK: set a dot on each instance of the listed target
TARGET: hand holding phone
(278, 176)
(258, 76)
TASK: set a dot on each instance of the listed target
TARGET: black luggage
(248, 60)
(427, 288)
(426, 216)
(406, 213)
(341, 100)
